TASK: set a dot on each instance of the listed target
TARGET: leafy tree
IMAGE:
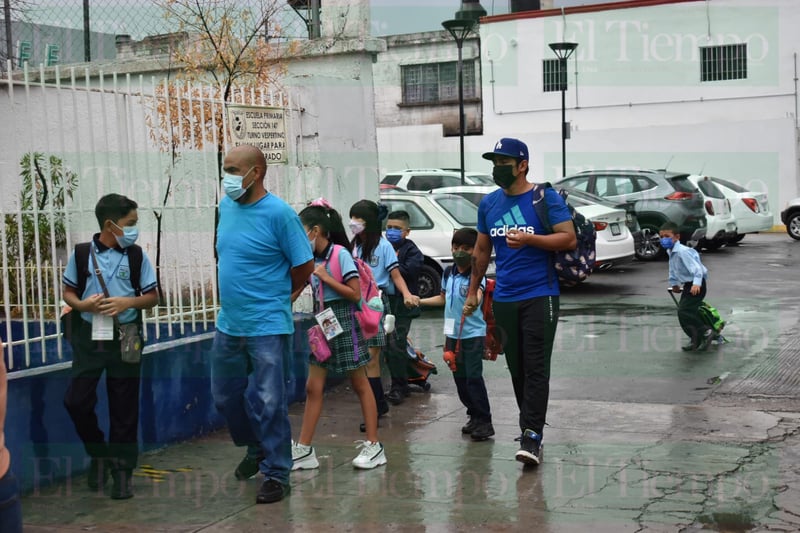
(228, 44)
(40, 224)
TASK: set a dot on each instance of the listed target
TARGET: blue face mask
(232, 185)
(394, 235)
(667, 243)
(128, 237)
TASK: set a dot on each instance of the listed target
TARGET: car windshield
(481, 179)
(682, 183)
(586, 198)
(391, 179)
(735, 187)
(463, 211)
(709, 189)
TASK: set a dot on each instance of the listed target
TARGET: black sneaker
(482, 431)
(689, 347)
(272, 491)
(530, 448)
(248, 467)
(98, 473)
(705, 340)
(396, 396)
(381, 411)
(123, 484)
(470, 426)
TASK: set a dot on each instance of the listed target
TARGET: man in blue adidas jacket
(526, 298)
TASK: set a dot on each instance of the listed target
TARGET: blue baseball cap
(510, 148)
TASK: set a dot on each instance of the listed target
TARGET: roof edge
(609, 6)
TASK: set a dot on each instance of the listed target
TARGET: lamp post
(563, 51)
(459, 29)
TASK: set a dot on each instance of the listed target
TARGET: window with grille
(555, 78)
(436, 82)
(725, 62)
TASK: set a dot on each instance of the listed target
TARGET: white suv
(425, 179)
(433, 218)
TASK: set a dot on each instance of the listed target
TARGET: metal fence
(63, 32)
(64, 146)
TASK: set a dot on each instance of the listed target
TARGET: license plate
(615, 229)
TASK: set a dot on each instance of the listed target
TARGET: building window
(435, 83)
(555, 78)
(726, 62)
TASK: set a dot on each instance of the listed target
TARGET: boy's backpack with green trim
(711, 317)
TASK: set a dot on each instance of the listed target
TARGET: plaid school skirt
(343, 357)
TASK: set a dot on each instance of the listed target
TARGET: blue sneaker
(530, 449)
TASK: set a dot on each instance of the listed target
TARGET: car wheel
(793, 225)
(737, 239)
(649, 248)
(430, 282)
(710, 245)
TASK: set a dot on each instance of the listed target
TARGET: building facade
(689, 85)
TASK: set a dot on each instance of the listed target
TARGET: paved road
(619, 338)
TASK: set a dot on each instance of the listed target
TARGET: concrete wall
(634, 94)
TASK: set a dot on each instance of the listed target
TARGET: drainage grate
(776, 376)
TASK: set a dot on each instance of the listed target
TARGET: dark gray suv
(654, 196)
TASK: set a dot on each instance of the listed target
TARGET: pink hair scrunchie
(321, 202)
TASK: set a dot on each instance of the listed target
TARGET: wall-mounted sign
(263, 127)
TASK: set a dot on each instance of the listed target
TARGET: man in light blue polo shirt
(264, 256)
(129, 291)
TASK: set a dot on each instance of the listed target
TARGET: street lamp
(459, 29)
(563, 51)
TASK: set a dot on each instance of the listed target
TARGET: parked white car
(433, 218)
(750, 208)
(614, 245)
(425, 179)
(791, 217)
(720, 222)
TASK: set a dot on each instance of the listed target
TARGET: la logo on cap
(499, 145)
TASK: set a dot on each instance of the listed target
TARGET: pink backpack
(369, 310)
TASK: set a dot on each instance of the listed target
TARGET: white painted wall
(635, 97)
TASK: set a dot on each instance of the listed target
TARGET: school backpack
(493, 345)
(711, 317)
(70, 320)
(369, 309)
(572, 266)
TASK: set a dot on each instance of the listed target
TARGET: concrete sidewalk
(608, 467)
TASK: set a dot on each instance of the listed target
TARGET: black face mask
(462, 259)
(504, 175)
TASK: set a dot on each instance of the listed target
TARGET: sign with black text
(263, 127)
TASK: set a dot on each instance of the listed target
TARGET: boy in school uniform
(468, 374)
(112, 251)
(687, 276)
(409, 261)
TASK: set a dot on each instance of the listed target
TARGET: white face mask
(356, 227)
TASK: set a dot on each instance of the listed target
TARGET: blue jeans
(10, 507)
(249, 378)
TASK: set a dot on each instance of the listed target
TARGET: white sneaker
(303, 457)
(371, 455)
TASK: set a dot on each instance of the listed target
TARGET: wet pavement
(641, 436)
